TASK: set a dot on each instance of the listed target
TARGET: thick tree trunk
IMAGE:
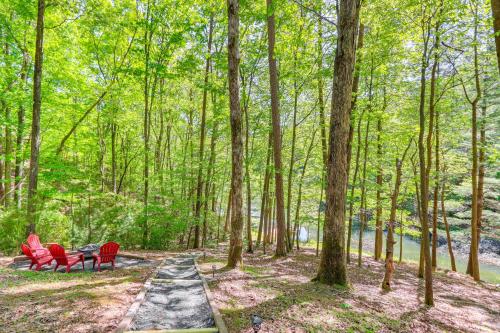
(236, 243)
(278, 173)
(319, 216)
(35, 120)
(332, 266)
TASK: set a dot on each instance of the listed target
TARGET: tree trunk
(495, 10)
(299, 195)
(362, 211)
(235, 242)
(19, 168)
(448, 237)
(319, 215)
(148, 35)
(292, 163)
(378, 218)
(389, 247)
(353, 186)
(247, 176)
(424, 181)
(265, 191)
(432, 114)
(278, 173)
(332, 266)
(199, 181)
(35, 120)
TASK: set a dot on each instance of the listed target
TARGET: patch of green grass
(254, 271)
(364, 321)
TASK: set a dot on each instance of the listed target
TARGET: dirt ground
(278, 290)
(281, 292)
(68, 302)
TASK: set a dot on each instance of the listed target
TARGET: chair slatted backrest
(108, 251)
(34, 242)
(27, 251)
(58, 254)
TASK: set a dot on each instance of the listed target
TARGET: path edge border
(219, 322)
(124, 324)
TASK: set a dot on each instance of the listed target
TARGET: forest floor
(281, 292)
(76, 302)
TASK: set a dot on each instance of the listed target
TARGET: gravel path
(175, 300)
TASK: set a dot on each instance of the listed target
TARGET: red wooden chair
(107, 253)
(39, 261)
(36, 246)
(62, 258)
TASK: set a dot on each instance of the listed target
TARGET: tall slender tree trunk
(448, 237)
(353, 186)
(235, 242)
(355, 86)
(247, 175)
(296, 229)
(473, 265)
(424, 181)
(332, 266)
(278, 173)
(19, 168)
(389, 247)
(265, 191)
(378, 215)
(199, 181)
(292, 163)
(495, 10)
(362, 211)
(432, 115)
(35, 119)
(319, 214)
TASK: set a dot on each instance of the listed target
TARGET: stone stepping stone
(178, 272)
(174, 304)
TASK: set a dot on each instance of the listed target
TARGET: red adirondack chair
(107, 253)
(39, 261)
(36, 246)
(64, 259)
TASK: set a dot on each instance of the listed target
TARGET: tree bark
(448, 237)
(296, 229)
(236, 242)
(362, 211)
(265, 191)
(332, 266)
(353, 186)
(495, 11)
(199, 181)
(35, 120)
(278, 173)
(389, 251)
(424, 181)
(378, 218)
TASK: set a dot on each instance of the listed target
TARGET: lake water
(411, 252)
